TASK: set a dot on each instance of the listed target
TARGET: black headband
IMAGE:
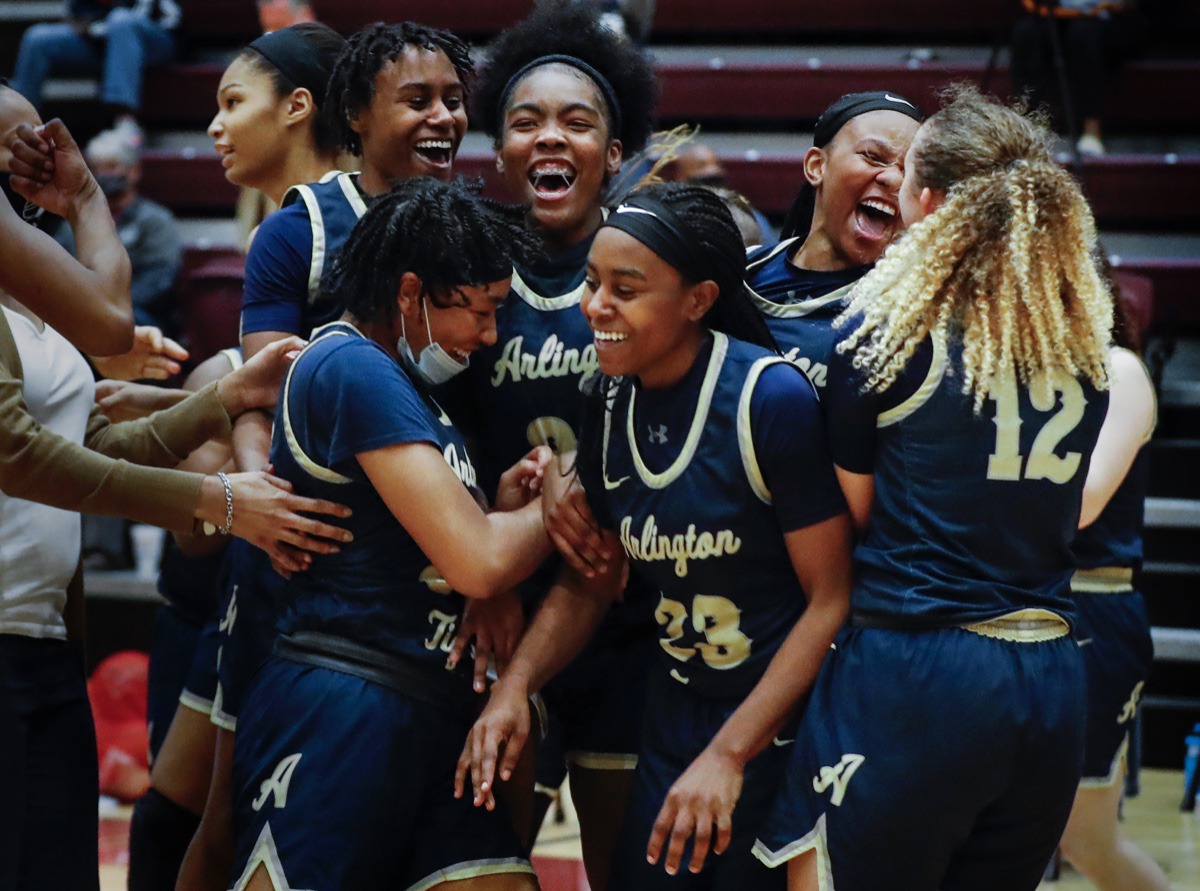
(606, 88)
(658, 227)
(298, 60)
(850, 106)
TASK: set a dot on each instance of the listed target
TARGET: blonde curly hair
(1008, 265)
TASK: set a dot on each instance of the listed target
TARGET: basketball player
(564, 99)
(344, 760)
(705, 457)
(844, 217)
(943, 740)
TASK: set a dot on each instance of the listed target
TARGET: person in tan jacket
(58, 456)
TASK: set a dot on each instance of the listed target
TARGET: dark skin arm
(86, 299)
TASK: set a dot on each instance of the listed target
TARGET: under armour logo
(278, 783)
(658, 436)
(838, 777)
(1130, 707)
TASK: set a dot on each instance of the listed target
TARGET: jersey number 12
(1005, 462)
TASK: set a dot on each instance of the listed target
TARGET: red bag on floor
(117, 690)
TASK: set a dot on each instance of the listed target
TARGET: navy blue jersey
(799, 305)
(525, 388)
(292, 252)
(703, 531)
(1115, 537)
(344, 396)
(974, 513)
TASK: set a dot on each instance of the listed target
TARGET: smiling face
(249, 127)
(857, 178)
(645, 318)
(415, 121)
(555, 150)
(462, 328)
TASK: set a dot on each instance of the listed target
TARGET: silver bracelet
(228, 527)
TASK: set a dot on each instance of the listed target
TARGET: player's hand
(496, 624)
(699, 802)
(257, 383)
(522, 482)
(268, 514)
(569, 520)
(49, 170)
(153, 357)
(498, 735)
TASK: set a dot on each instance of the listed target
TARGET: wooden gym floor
(1152, 819)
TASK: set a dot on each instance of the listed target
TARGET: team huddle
(774, 551)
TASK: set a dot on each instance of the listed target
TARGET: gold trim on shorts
(1023, 626)
(1103, 580)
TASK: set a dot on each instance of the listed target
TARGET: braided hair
(707, 220)
(444, 233)
(572, 29)
(352, 84)
(323, 42)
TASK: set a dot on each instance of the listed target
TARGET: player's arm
(1132, 409)
(214, 455)
(791, 451)
(86, 299)
(276, 289)
(251, 435)
(480, 554)
(563, 624)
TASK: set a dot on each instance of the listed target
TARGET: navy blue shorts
(594, 707)
(1114, 636)
(339, 782)
(934, 760)
(175, 639)
(201, 688)
(248, 614)
(678, 725)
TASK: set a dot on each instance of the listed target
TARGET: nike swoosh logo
(890, 98)
(675, 674)
(611, 484)
(782, 742)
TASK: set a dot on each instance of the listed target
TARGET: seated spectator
(698, 164)
(112, 39)
(147, 229)
(1096, 37)
(275, 15)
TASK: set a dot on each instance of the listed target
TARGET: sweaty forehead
(890, 127)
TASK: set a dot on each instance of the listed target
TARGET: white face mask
(434, 366)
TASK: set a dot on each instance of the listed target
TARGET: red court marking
(114, 842)
(554, 874)
(557, 874)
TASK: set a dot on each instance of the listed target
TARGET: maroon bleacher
(1124, 189)
(1161, 93)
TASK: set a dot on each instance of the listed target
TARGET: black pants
(49, 779)
(1092, 50)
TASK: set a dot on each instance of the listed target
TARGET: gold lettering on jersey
(649, 546)
(442, 635)
(461, 465)
(816, 372)
(553, 360)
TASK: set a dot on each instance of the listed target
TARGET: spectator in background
(112, 39)
(1096, 37)
(698, 164)
(148, 231)
(275, 15)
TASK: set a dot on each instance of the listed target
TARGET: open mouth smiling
(438, 152)
(552, 180)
